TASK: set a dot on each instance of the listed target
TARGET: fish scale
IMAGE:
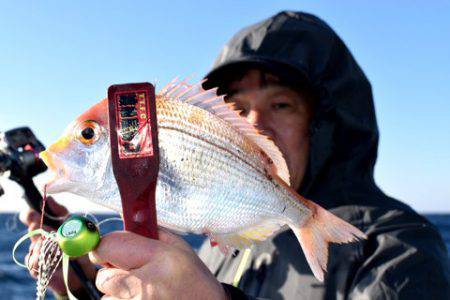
(207, 126)
(242, 205)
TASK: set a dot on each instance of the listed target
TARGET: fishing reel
(19, 154)
(19, 149)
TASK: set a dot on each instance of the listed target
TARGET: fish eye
(88, 132)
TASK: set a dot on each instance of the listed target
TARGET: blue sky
(57, 58)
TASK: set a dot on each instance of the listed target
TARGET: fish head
(81, 158)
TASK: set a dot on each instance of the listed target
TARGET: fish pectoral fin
(245, 238)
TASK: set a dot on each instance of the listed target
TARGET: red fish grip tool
(135, 153)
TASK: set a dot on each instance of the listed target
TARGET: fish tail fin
(318, 231)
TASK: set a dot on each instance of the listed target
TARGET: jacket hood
(344, 132)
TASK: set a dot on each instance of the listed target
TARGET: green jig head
(78, 236)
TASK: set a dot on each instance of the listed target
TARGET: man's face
(280, 113)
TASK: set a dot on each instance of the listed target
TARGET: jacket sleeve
(405, 261)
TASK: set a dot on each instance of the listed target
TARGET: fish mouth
(56, 167)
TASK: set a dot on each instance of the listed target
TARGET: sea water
(17, 284)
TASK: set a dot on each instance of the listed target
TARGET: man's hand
(136, 267)
(32, 219)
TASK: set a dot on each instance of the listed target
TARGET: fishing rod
(19, 154)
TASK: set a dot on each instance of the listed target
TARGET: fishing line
(23, 239)
(56, 218)
(88, 214)
(44, 200)
(43, 213)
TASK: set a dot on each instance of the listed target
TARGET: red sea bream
(218, 175)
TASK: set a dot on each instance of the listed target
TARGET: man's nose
(259, 120)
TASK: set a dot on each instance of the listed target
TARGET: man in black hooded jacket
(404, 256)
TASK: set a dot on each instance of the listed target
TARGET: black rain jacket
(404, 256)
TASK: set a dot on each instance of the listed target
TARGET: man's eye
(238, 108)
(242, 112)
(281, 105)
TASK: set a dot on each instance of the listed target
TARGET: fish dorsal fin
(211, 102)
